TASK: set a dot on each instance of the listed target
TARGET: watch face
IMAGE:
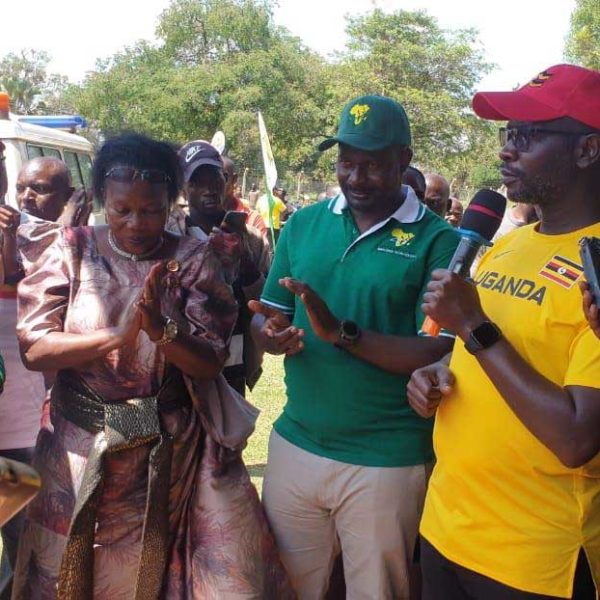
(171, 330)
(486, 334)
(350, 329)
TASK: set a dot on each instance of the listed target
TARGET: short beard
(548, 188)
(538, 190)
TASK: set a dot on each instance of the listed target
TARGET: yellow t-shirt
(262, 206)
(499, 502)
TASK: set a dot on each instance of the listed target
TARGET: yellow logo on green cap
(359, 112)
(402, 237)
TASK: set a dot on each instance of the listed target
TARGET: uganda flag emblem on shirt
(562, 271)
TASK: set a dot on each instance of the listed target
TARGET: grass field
(269, 397)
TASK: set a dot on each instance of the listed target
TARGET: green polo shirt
(339, 406)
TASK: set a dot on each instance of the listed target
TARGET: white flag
(218, 141)
(267, 154)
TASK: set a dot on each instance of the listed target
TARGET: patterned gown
(220, 546)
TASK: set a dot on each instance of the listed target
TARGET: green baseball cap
(371, 123)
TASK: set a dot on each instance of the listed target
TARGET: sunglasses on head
(521, 136)
(130, 174)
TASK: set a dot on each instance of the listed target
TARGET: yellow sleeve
(584, 363)
(262, 206)
(279, 206)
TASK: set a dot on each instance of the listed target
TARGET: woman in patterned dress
(144, 491)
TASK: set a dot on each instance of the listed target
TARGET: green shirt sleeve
(440, 254)
(273, 294)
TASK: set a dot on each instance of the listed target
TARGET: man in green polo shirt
(348, 457)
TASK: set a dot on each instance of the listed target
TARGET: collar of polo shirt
(410, 211)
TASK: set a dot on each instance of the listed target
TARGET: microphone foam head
(484, 213)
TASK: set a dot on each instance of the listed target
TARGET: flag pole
(270, 170)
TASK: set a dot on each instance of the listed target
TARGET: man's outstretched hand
(78, 209)
(324, 323)
(276, 334)
(9, 220)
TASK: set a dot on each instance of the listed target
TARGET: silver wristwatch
(170, 332)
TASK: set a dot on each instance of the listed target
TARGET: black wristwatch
(349, 333)
(482, 337)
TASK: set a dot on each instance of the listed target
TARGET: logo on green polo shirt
(397, 243)
(401, 237)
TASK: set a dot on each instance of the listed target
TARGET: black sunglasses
(521, 136)
(129, 174)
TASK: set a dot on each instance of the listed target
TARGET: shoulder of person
(176, 221)
(203, 260)
(255, 235)
(78, 236)
(508, 238)
(35, 236)
(437, 227)
(38, 240)
(298, 222)
(254, 215)
(32, 227)
(312, 211)
(189, 246)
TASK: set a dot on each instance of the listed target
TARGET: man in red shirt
(232, 202)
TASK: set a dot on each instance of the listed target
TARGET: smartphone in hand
(234, 221)
(589, 249)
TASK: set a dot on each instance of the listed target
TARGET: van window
(53, 152)
(85, 165)
(80, 166)
(34, 151)
(73, 164)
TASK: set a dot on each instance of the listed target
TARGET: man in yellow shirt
(272, 216)
(514, 499)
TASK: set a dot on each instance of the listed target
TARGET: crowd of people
(459, 466)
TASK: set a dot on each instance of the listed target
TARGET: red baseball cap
(559, 91)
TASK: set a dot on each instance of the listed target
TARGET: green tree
(196, 32)
(24, 76)
(432, 72)
(218, 62)
(54, 96)
(583, 39)
(136, 89)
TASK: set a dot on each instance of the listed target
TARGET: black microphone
(479, 225)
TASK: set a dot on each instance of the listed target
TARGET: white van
(25, 140)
